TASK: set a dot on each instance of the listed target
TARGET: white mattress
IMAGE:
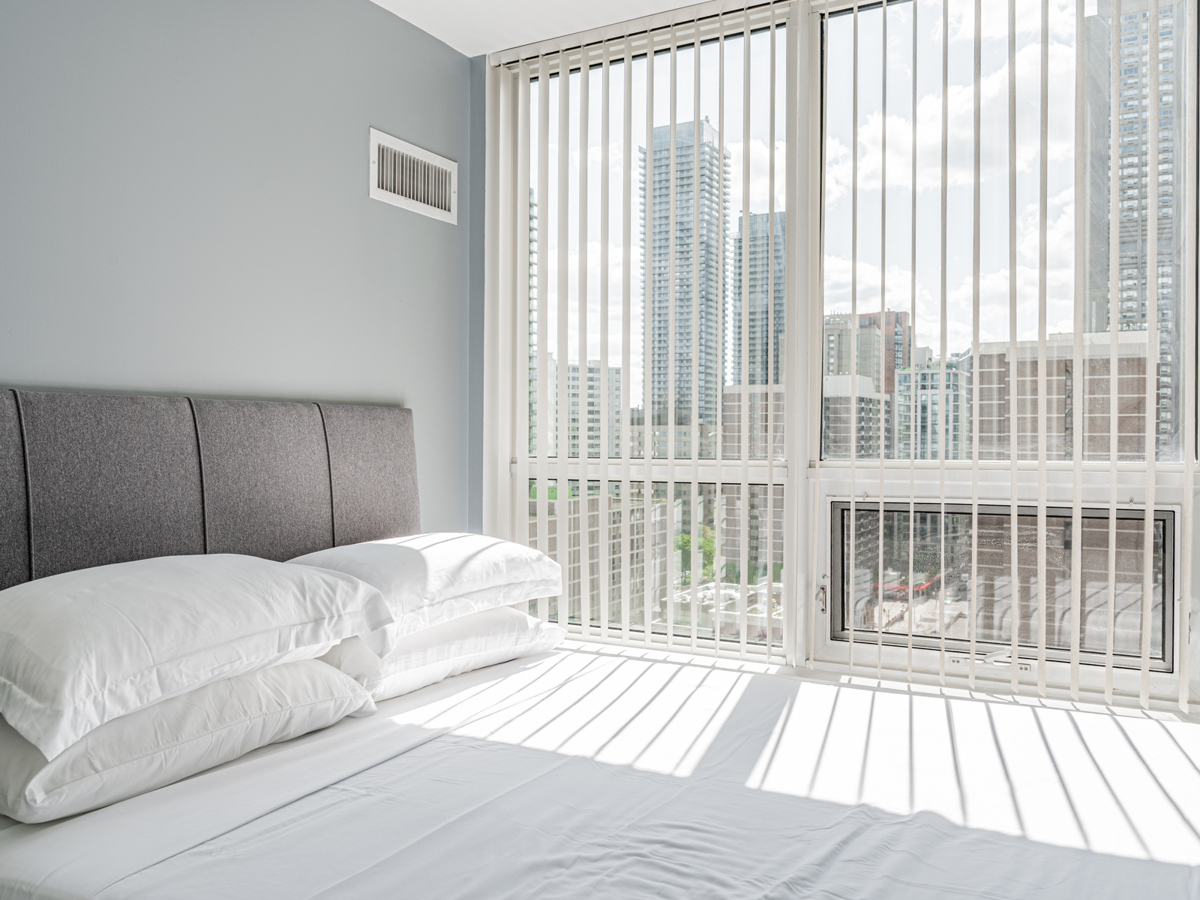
(590, 774)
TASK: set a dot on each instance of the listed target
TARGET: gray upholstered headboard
(87, 479)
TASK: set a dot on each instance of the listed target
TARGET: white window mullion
(797, 239)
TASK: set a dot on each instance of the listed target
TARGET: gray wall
(183, 208)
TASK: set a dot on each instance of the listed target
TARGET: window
(988, 205)
(791, 297)
(898, 596)
(653, 328)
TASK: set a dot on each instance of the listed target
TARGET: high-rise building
(1149, 198)
(696, 280)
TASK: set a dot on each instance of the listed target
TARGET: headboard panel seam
(329, 469)
(28, 483)
(203, 485)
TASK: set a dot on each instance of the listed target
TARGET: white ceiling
(473, 27)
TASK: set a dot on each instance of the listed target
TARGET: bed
(586, 772)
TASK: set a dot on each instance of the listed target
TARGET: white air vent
(407, 176)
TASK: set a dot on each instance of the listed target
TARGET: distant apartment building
(1073, 400)
(933, 420)
(696, 296)
(880, 346)
(1150, 198)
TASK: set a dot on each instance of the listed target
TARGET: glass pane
(890, 267)
(924, 584)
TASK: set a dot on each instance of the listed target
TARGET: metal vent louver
(407, 176)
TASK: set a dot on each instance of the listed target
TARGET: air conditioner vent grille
(415, 179)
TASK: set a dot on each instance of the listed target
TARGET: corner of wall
(475, 314)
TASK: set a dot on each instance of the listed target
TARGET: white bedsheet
(591, 774)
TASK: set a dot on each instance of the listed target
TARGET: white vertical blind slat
(1114, 311)
(1043, 399)
(912, 342)
(604, 564)
(626, 335)
(521, 300)
(672, 299)
(1014, 617)
(744, 374)
(1152, 353)
(883, 342)
(1079, 375)
(647, 355)
(697, 533)
(768, 418)
(973, 604)
(850, 600)
(1188, 74)
(943, 418)
(718, 505)
(543, 322)
(585, 580)
(562, 503)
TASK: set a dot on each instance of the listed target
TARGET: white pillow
(428, 579)
(463, 645)
(173, 739)
(83, 648)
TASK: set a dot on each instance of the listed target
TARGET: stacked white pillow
(118, 679)
(450, 596)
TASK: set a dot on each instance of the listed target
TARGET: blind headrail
(648, 28)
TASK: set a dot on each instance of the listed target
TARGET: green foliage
(708, 550)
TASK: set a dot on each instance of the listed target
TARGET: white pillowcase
(428, 579)
(83, 648)
(163, 743)
(467, 643)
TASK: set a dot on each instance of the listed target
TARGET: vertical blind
(938, 422)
